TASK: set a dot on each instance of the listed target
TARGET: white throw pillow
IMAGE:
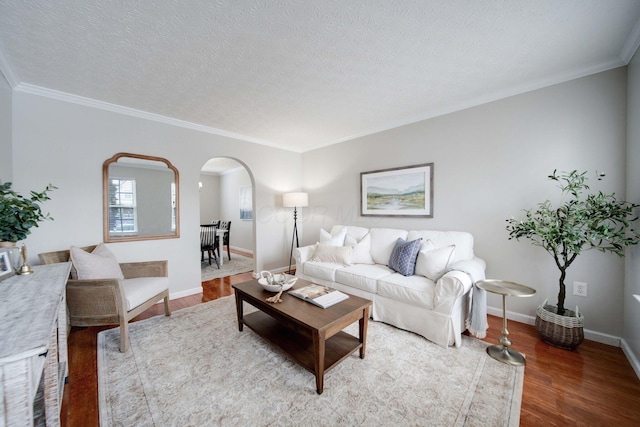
(99, 264)
(335, 254)
(432, 263)
(336, 240)
(361, 250)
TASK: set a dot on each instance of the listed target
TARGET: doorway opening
(227, 200)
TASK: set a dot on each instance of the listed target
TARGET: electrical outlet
(580, 289)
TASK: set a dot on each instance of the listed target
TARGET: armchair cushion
(99, 264)
(141, 289)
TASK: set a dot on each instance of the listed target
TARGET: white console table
(33, 346)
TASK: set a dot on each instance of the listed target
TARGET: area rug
(238, 264)
(196, 369)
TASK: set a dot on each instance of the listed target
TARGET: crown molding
(106, 106)
(6, 70)
(631, 45)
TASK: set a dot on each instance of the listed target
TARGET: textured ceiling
(305, 74)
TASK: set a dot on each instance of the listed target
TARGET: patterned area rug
(238, 264)
(195, 368)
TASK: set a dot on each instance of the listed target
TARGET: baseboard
(186, 293)
(631, 357)
(531, 320)
(511, 315)
(239, 249)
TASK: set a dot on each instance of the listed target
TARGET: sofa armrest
(303, 254)
(131, 270)
(451, 286)
(456, 282)
(474, 267)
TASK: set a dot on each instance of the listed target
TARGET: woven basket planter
(560, 331)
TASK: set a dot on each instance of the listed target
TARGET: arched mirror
(140, 198)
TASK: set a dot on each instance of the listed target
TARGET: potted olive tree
(578, 223)
(19, 213)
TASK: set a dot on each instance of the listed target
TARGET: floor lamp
(295, 201)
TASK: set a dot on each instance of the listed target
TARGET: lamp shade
(292, 200)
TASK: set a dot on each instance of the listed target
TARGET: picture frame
(6, 269)
(404, 191)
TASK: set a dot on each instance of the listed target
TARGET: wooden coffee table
(310, 335)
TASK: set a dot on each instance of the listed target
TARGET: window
(246, 206)
(122, 206)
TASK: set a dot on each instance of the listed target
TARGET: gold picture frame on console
(6, 269)
(404, 191)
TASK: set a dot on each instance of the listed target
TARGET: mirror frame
(105, 198)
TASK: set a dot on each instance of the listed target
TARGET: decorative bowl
(290, 280)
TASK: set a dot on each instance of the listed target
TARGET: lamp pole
(294, 200)
(294, 237)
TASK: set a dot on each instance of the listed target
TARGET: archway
(227, 194)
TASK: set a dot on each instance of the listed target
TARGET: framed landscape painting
(406, 191)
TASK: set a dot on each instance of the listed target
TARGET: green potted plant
(19, 213)
(578, 223)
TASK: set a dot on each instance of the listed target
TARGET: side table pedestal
(503, 353)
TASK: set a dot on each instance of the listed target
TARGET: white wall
(209, 198)
(631, 333)
(491, 162)
(6, 167)
(241, 230)
(65, 144)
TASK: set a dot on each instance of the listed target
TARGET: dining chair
(209, 242)
(226, 225)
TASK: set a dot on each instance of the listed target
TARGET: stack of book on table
(322, 296)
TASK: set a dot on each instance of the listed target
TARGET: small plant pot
(560, 331)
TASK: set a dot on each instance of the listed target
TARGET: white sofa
(435, 307)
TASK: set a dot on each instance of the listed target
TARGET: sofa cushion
(362, 276)
(329, 239)
(414, 290)
(361, 249)
(383, 240)
(334, 254)
(462, 239)
(99, 264)
(403, 256)
(352, 230)
(432, 263)
(141, 289)
(321, 270)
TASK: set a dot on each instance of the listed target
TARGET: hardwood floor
(591, 386)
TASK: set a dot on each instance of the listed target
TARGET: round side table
(503, 353)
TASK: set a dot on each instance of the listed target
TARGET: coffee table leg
(239, 307)
(319, 351)
(364, 323)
